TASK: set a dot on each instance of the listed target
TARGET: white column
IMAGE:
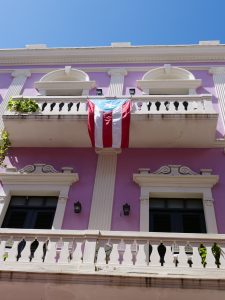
(210, 217)
(103, 193)
(15, 88)
(219, 82)
(144, 213)
(116, 82)
(59, 213)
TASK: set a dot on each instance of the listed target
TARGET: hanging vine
(5, 143)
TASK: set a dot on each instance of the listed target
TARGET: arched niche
(65, 82)
(168, 80)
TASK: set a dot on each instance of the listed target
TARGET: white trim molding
(132, 54)
(37, 180)
(179, 182)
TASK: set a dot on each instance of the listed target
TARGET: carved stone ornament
(174, 170)
(38, 169)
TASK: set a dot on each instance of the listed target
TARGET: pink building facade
(122, 219)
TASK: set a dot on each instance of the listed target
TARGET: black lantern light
(99, 92)
(77, 207)
(126, 209)
(132, 92)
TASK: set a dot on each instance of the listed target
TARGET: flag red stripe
(107, 129)
(125, 124)
(91, 122)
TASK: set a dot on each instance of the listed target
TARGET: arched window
(168, 80)
(65, 82)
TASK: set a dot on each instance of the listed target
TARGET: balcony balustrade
(156, 121)
(92, 251)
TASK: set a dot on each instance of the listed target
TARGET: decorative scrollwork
(28, 169)
(38, 169)
(175, 170)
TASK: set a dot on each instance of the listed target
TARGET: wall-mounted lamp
(126, 209)
(132, 92)
(99, 92)
(77, 207)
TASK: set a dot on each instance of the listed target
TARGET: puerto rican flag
(109, 122)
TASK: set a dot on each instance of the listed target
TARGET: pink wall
(130, 160)
(84, 163)
(102, 82)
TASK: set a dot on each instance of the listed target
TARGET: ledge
(72, 88)
(163, 85)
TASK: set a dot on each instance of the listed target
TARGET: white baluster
(12, 252)
(38, 254)
(169, 256)
(89, 253)
(25, 254)
(50, 257)
(64, 252)
(154, 258)
(100, 252)
(196, 257)
(77, 253)
(142, 254)
(222, 257)
(211, 263)
(184, 257)
(114, 256)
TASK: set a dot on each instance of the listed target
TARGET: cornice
(175, 175)
(134, 54)
(38, 174)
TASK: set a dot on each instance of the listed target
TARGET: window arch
(65, 82)
(169, 80)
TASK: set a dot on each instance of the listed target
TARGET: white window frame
(37, 180)
(178, 182)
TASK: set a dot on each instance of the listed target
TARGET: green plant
(4, 146)
(22, 105)
(203, 253)
(216, 251)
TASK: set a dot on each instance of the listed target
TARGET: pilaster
(19, 78)
(103, 193)
(219, 82)
(116, 82)
(59, 213)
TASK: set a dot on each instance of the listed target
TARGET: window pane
(44, 219)
(161, 222)
(194, 203)
(175, 203)
(36, 201)
(15, 219)
(157, 203)
(192, 223)
(51, 202)
(18, 201)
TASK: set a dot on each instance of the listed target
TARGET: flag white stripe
(117, 127)
(98, 117)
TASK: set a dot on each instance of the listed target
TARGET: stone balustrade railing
(108, 251)
(182, 104)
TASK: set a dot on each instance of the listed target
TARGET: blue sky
(65, 23)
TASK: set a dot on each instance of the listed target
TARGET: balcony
(156, 121)
(61, 263)
(108, 252)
